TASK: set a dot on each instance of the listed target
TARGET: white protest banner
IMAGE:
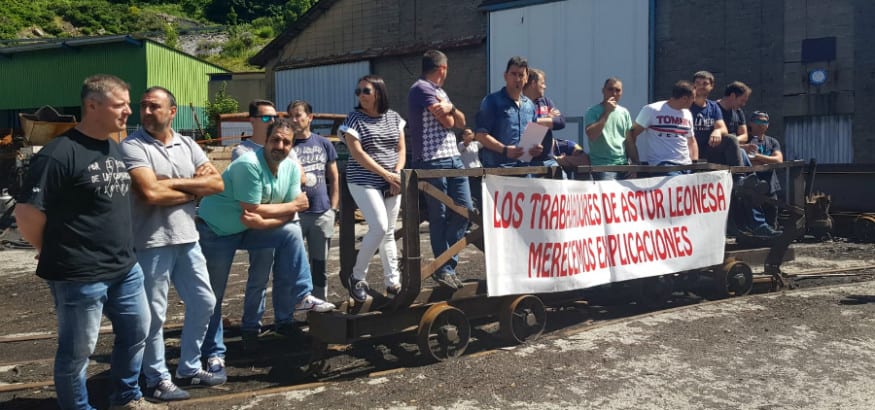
(545, 236)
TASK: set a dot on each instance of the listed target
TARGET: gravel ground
(802, 349)
(771, 351)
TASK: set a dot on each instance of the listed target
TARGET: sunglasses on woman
(365, 91)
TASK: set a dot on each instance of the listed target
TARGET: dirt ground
(27, 310)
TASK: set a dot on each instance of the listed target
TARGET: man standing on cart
(503, 118)
(433, 143)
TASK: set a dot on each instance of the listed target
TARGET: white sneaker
(313, 303)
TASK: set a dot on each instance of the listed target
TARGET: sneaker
(315, 304)
(216, 365)
(445, 279)
(392, 291)
(765, 230)
(203, 378)
(459, 283)
(358, 289)
(138, 404)
(165, 391)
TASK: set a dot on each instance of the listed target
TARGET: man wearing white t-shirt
(666, 130)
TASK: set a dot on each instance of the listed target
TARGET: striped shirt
(379, 138)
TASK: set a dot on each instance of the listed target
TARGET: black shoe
(288, 329)
(250, 341)
(358, 289)
(392, 291)
(445, 279)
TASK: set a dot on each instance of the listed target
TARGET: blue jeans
(446, 227)
(260, 264)
(185, 266)
(672, 173)
(79, 306)
(756, 216)
(291, 281)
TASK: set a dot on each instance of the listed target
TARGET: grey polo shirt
(156, 226)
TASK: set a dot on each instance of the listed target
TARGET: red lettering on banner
(601, 252)
(564, 259)
(689, 200)
(562, 211)
(508, 212)
(610, 207)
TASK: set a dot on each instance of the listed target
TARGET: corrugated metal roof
(71, 43)
(495, 5)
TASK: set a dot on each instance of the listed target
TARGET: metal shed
(50, 72)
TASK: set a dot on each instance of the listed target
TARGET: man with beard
(257, 211)
(170, 172)
(262, 113)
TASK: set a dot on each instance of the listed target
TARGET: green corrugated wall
(183, 75)
(29, 80)
(54, 77)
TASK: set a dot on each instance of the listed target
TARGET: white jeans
(380, 214)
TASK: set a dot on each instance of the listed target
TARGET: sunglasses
(268, 118)
(761, 122)
(365, 91)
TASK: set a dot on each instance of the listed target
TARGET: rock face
(200, 44)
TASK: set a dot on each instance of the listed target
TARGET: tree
(222, 104)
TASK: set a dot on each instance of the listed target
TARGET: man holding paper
(507, 122)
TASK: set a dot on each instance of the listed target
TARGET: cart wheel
(443, 332)
(522, 318)
(318, 365)
(734, 279)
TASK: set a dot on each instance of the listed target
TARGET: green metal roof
(51, 73)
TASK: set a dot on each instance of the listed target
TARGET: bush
(222, 104)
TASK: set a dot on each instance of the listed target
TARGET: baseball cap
(760, 116)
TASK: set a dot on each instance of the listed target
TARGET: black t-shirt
(733, 119)
(82, 186)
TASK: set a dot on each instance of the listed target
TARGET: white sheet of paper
(533, 135)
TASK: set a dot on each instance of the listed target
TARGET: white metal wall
(578, 44)
(328, 88)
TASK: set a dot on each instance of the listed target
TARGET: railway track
(255, 376)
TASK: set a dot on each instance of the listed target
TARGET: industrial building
(51, 72)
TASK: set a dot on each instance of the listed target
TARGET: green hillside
(249, 24)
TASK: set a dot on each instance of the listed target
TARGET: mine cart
(441, 318)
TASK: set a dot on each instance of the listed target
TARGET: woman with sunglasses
(375, 137)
